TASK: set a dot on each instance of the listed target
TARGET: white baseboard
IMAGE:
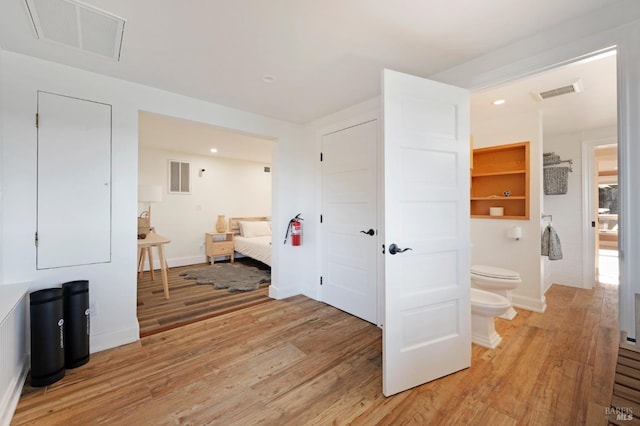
(528, 303)
(101, 342)
(12, 394)
(175, 262)
(186, 261)
(282, 293)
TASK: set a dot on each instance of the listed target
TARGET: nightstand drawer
(221, 247)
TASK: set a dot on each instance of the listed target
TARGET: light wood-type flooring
(189, 302)
(297, 361)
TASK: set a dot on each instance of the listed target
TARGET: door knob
(393, 249)
(370, 232)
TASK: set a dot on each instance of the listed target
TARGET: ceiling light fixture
(268, 78)
(213, 150)
(499, 102)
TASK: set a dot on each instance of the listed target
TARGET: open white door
(427, 314)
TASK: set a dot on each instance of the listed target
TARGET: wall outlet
(93, 309)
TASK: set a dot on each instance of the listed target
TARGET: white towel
(551, 244)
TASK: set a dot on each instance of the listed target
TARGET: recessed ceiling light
(499, 102)
(268, 78)
(213, 150)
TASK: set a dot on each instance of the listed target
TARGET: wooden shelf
(517, 197)
(508, 172)
(497, 170)
(487, 216)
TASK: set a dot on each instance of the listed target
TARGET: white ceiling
(324, 55)
(180, 135)
(594, 107)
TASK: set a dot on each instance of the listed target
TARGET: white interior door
(349, 220)
(74, 182)
(427, 314)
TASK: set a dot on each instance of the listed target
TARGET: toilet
(484, 307)
(498, 281)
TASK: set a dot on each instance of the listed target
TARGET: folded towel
(550, 158)
(556, 180)
(551, 244)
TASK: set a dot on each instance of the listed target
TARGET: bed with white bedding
(252, 237)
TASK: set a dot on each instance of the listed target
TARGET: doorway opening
(229, 175)
(568, 121)
(607, 209)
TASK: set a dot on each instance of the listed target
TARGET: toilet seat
(494, 272)
(487, 300)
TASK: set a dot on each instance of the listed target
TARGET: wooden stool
(141, 255)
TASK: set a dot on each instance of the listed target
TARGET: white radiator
(14, 363)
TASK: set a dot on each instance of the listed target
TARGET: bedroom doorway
(229, 174)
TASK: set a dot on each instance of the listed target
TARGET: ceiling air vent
(575, 87)
(75, 24)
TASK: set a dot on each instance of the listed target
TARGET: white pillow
(250, 229)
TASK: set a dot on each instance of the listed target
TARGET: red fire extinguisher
(295, 227)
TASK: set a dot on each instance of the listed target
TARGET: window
(179, 177)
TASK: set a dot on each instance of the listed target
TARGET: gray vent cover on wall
(77, 25)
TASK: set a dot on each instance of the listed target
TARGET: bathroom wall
(489, 237)
(567, 214)
(567, 209)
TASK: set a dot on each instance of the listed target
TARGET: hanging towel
(551, 244)
(556, 180)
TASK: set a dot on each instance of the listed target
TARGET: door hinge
(320, 218)
(36, 241)
(37, 120)
(321, 157)
(321, 280)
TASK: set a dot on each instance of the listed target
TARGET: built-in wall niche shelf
(500, 178)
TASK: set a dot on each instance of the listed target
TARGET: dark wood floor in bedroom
(189, 302)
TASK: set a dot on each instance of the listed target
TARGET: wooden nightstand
(219, 245)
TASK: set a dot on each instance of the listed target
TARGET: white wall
(567, 209)
(567, 214)
(113, 285)
(227, 187)
(1, 155)
(490, 244)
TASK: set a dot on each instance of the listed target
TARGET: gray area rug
(235, 277)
